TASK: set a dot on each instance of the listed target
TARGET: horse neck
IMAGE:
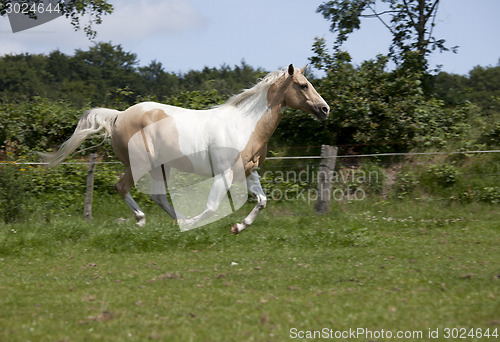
(273, 113)
(264, 98)
(263, 109)
(255, 150)
(275, 105)
(266, 110)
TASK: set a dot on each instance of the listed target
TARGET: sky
(190, 34)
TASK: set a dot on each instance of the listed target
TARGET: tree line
(106, 75)
(373, 108)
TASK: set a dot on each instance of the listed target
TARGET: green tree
(156, 82)
(109, 73)
(481, 86)
(23, 76)
(372, 109)
(410, 22)
(227, 80)
(484, 83)
(451, 88)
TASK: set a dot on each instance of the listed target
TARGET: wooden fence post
(87, 211)
(325, 173)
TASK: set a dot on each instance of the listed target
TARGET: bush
(491, 137)
(25, 188)
(490, 195)
(444, 175)
(14, 191)
(36, 125)
(406, 183)
(374, 179)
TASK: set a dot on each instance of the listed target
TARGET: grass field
(412, 266)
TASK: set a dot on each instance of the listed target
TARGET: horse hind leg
(123, 187)
(159, 179)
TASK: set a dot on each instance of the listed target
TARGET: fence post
(87, 211)
(325, 173)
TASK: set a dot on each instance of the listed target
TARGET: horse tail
(92, 121)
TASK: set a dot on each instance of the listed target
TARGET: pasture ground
(405, 266)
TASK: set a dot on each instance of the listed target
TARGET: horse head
(300, 94)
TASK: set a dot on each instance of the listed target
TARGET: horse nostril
(325, 109)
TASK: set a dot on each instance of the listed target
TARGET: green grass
(401, 266)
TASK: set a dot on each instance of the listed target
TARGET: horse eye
(304, 86)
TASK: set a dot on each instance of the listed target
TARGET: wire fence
(465, 176)
(457, 176)
(309, 163)
(387, 154)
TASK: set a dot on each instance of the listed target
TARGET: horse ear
(291, 69)
(303, 69)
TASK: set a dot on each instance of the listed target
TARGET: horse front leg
(222, 183)
(254, 188)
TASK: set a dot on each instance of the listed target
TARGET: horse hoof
(141, 222)
(234, 229)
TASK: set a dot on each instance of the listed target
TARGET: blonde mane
(256, 92)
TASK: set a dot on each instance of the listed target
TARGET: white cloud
(132, 21)
(56, 34)
(138, 19)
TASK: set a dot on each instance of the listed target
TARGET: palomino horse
(244, 124)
